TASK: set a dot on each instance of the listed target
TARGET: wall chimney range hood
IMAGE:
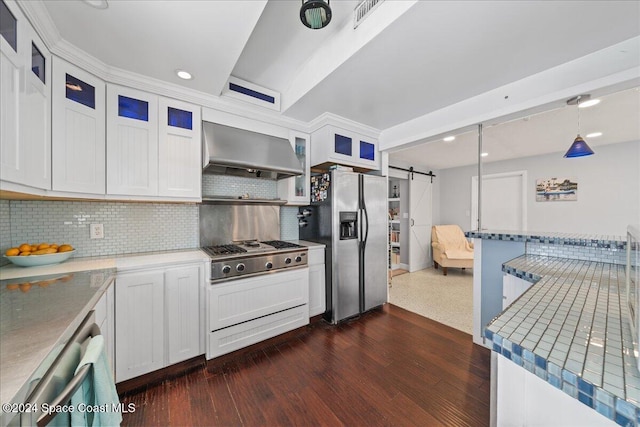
(233, 151)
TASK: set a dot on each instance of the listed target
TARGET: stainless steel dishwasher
(54, 388)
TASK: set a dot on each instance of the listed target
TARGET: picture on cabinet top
(556, 189)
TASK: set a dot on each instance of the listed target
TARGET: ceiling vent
(252, 93)
(363, 10)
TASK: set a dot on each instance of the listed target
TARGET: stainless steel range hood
(238, 152)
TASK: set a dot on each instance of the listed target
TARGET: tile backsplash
(128, 227)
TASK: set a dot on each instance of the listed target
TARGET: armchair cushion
(455, 244)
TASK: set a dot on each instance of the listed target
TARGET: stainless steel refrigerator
(348, 214)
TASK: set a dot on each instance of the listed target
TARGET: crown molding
(39, 17)
(328, 118)
(41, 21)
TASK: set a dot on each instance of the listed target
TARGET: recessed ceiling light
(449, 138)
(184, 74)
(98, 4)
(484, 154)
(594, 135)
(589, 103)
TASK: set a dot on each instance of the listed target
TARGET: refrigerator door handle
(359, 225)
(366, 226)
(412, 222)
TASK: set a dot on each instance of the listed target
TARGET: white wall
(608, 191)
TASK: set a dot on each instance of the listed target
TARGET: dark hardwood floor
(390, 367)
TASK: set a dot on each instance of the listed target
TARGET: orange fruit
(12, 286)
(25, 253)
(54, 246)
(25, 287)
(65, 248)
(34, 248)
(12, 252)
(24, 247)
(43, 246)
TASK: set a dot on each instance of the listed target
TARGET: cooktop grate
(223, 250)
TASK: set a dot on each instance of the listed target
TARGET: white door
(420, 205)
(179, 149)
(504, 201)
(78, 146)
(132, 142)
(139, 324)
(11, 81)
(35, 114)
(182, 287)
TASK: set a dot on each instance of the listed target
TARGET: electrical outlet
(97, 231)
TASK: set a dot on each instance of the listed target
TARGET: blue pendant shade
(579, 148)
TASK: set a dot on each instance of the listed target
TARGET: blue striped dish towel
(98, 390)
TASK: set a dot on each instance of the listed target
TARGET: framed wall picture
(556, 189)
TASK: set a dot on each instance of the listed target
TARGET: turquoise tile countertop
(571, 329)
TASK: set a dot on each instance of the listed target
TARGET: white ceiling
(155, 38)
(434, 54)
(617, 116)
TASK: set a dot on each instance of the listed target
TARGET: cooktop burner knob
(240, 267)
(268, 265)
(298, 258)
(226, 269)
(287, 260)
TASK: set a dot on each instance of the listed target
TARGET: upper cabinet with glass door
(295, 190)
(78, 143)
(153, 146)
(332, 145)
(25, 103)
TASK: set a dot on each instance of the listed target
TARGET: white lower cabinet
(246, 311)
(182, 287)
(157, 319)
(512, 288)
(317, 299)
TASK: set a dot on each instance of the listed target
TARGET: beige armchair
(450, 248)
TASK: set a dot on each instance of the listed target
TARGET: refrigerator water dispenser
(348, 225)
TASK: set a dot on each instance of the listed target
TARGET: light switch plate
(97, 231)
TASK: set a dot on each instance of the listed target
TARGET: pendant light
(315, 14)
(579, 148)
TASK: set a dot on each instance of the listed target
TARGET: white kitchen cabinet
(317, 287)
(139, 324)
(295, 190)
(105, 319)
(153, 146)
(182, 287)
(512, 288)
(25, 98)
(132, 142)
(78, 134)
(158, 319)
(331, 144)
(180, 149)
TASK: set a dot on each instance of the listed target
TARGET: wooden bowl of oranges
(29, 255)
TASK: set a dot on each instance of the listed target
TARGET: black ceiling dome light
(315, 14)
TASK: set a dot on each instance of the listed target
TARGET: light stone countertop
(51, 301)
(307, 243)
(38, 314)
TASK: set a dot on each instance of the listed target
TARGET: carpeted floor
(445, 299)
